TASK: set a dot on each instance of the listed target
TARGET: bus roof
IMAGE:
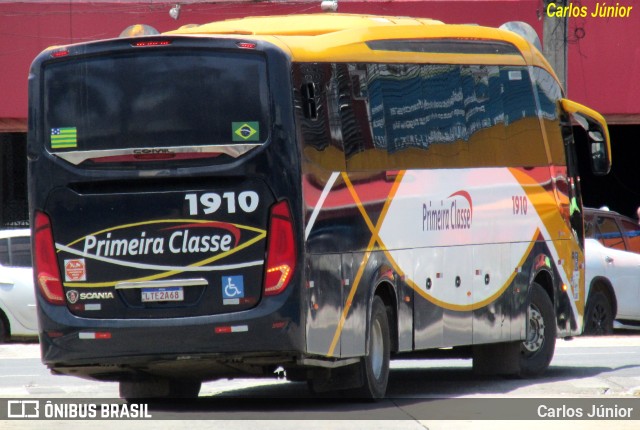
(345, 37)
(303, 24)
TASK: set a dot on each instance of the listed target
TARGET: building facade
(602, 60)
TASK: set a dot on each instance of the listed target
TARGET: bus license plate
(171, 294)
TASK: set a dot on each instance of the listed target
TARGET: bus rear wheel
(160, 388)
(375, 364)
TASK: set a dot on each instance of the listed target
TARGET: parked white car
(17, 297)
(612, 249)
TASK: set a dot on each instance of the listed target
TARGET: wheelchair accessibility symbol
(232, 287)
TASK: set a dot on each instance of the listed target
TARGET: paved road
(603, 369)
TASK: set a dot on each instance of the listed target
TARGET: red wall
(601, 72)
(604, 65)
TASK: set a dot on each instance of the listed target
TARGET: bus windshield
(155, 100)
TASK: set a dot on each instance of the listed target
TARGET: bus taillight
(60, 53)
(246, 45)
(46, 265)
(147, 43)
(281, 250)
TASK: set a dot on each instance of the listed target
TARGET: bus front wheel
(536, 351)
(526, 358)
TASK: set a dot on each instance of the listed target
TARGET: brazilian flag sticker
(245, 131)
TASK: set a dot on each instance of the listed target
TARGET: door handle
(608, 259)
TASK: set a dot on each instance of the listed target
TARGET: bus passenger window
(314, 111)
(549, 92)
(522, 126)
(309, 103)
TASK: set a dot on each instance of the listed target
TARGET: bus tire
(375, 364)
(184, 389)
(536, 350)
(598, 317)
(159, 388)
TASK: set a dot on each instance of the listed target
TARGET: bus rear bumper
(204, 348)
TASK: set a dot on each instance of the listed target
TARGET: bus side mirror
(597, 133)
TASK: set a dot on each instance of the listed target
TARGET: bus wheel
(375, 366)
(536, 351)
(160, 388)
(598, 318)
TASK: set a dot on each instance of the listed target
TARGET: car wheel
(4, 330)
(598, 317)
(536, 351)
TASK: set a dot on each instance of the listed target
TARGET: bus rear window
(155, 99)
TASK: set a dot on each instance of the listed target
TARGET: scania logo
(72, 296)
(94, 296)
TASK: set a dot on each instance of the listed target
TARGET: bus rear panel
(159, 188)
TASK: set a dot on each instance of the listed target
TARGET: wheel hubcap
(535, 330)
(598, 318)
(376, 349)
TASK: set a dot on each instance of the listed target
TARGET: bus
(308, 194)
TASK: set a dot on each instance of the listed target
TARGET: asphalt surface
(588, 367)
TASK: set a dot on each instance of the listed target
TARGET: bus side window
(312, 89)
(309, 100)
(549, 92)
(351, 105)
(441, 116)
(411, 108)
(523, 134)
(362, 116)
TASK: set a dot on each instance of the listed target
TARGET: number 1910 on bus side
(520, 205)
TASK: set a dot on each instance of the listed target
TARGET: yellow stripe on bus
(472, 306)
(374, 238)
(556, 226)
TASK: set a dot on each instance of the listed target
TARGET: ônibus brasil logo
(453, 213)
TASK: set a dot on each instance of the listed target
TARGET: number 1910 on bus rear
(233, 198)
